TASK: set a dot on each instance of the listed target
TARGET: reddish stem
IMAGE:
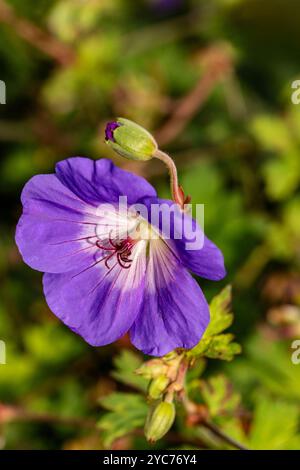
(178, 195)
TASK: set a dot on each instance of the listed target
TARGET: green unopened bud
(152, 369)
(158, 386)
(159, 421)
(130, 140)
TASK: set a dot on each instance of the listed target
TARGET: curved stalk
(176, 190)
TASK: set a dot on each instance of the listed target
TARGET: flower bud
(159, 421)
(130, 140)
(158, 386)
(152, 369)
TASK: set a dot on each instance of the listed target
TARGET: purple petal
(109, 130)
(174, 312)
(56, 229)
(207, 260)
(101, 181)
(98, 304)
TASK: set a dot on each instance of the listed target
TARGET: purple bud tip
(109, 130)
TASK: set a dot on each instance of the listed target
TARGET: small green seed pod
(130, 140)
(159, 421)
(158, 386)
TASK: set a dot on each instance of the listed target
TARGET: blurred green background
(212, 80)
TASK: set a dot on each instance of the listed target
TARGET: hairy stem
(176, 191)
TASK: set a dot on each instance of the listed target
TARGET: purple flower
(102, 284)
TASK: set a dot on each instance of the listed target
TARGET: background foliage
(213, 81)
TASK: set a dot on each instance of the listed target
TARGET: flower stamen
(121, 249)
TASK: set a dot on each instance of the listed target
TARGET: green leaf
(126, 412)
(219, 396)
(274, 425)
(126, 364)
(221, 317)
(271, 132)
(222, 347)
(269, 364)
(214, 344)
(282, 175)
